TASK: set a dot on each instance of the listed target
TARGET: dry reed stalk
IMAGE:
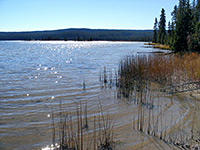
(133, 122)
(141, 113)
(161, 121)
(153, 125)
(78, 129)
(53, 127)
(71, 134)
(105, 76)
(94, 137)
(149, 119)
(86, 118)
(192, 129)
(138, 122)
(81, 124)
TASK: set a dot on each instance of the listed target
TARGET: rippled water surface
(35, 76)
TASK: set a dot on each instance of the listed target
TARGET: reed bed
(135, 79)
(138, 72)
(74, 131)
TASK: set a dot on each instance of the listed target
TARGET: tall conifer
(155, 31)
(180, 43)
(162, 27)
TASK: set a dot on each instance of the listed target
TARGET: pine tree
(169, 35)
(184, 28)
(189, 25)
(197, 27)
(198, 10)
(155, 31)
(173, 26)
(180, 43)
(174, 13)
(189, 18)
(162, 26)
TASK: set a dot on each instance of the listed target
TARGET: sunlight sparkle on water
(52, 147)
(59, 77)
(45, 68)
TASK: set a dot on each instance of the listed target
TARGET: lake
(37, 76)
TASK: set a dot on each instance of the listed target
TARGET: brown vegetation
(136, 72)
(159, 46)
(74, 132)
(135, 80)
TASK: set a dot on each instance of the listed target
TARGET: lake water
(37, 76)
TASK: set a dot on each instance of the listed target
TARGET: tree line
(81, 35)
(183, 33)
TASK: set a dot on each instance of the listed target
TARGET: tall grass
(139, 73)
(73, 130)
(136, 72)
(136, 77)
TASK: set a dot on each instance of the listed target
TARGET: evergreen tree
(162, 27)
(189, 25)
(180, 43)
(173, 26)
(198, 11)
(184, 28)
(196, 36)
(189, 18)
(169, 36)
(155, 31)
(172, 35)
(169, 28)
(194, 4)
(174, 13)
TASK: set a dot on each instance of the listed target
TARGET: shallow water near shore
(38, 76)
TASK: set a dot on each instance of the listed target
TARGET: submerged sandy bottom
(173, 115)
(179, 121)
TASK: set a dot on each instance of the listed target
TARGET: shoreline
(159, 46)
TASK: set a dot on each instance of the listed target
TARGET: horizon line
(74, 28)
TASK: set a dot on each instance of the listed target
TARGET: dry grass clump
(150, 43)
(160, 46)
(191, 64)
(136, 72)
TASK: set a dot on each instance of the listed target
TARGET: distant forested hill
(81, 35)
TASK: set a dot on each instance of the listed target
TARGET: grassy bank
(159, 46)
(175, 72)
(166, 70)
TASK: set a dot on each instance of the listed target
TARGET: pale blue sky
(29, 15)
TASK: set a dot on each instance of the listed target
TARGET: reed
(106, 138)
(138, 72)
(71, 132)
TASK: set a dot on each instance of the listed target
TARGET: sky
(32, 15)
